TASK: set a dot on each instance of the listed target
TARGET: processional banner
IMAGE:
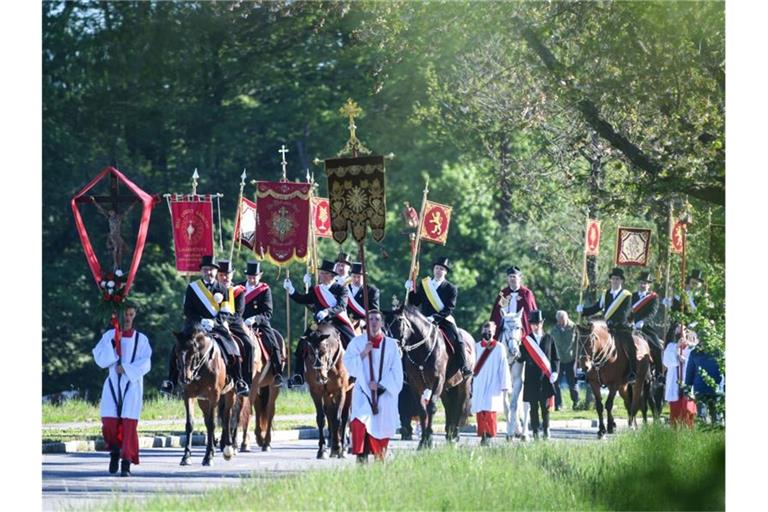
(245, 227)
(321, 216)
(632, 246)
(435, 222)
(677, 238)
(283, 213)
(357, 197)
(192, 220)
(592, 238)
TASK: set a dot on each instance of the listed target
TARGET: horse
(606, 364)
(518, 412)
(203, 376)
(329, 386)
(429, 369)
(261, 399)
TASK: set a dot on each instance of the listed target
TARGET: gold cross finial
(351, 110)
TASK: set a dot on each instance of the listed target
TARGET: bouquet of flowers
(112, 286)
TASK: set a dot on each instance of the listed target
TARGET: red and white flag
(321, 216)
(677, 238)
(245, 227)
(592, 237)
(192, 221)
(436, 221)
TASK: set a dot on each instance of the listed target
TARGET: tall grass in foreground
(652, 469)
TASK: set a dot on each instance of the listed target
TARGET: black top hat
(343, 257)
(696, 274)
(443, 262)
(618, 272)
(535, 317)
(357, 268)
(327, 266)
(254, 267)
(208, 261)
(225, 266)
(513, 270)
(645, 277)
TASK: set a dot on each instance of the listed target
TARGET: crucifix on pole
(283, 150)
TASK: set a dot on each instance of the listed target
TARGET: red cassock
(525, 301)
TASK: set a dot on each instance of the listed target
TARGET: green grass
(652, 469)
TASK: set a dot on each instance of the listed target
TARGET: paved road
(74, 480)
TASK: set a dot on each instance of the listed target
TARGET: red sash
(484, 358)
(260, 288)
(643, 302)
(538, 355)
(341, 316)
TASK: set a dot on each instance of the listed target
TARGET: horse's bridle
(598, 359)
(408, 348)
(198, 360)
(317, 359)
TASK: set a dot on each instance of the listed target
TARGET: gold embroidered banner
(283, 217)
(592, 238)
(436, 221)
(357, 197)
(632, 246)
(321, 214)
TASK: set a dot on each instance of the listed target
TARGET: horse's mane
(414, 313)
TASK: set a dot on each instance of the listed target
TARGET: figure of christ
(115, 243)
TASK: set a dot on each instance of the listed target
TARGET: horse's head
(406, 324)
(590, 339)
(193, 349)
(324, 351)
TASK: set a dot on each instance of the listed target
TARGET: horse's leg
(332, 414)
(210, 425)
(599, 408)
(317, 398)
(272, 392)
(609, 408)
(188, 430)
(245, 420)
(226, 405)
(344, 404)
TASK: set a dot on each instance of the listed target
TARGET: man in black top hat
(541, 371)
(229, 323)
(342, 268)
(356, 304)
(616, 306)
(437, 299)
(645, 305)
(257, 313)
(693, 283)
(328, 301)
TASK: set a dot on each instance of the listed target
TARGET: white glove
(639, 324)
(250, 321)
(432, 319)
(409, 285)
(207, 324)
(580, 308)
(321, 315)
(288, 285)
(667, 301)
(553, 378)
(218, 297)
(308, 279)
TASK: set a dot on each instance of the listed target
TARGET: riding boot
(298, 367)
(277, 365)
(114, 459)
(466, 371)
(241, 387)
(632, 356)
(173, 376)
(247, 363)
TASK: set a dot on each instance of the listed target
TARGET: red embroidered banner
(677, 238)
(147, 202)
(192, 221)
(321, 215)
(245, 227)
(632, 246)
(592, 237)
(283, 212)
(435, 223)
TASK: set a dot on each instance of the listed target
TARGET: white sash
(354, 305)
(206, 299)
(538, 356)
(611, 310)
(329, 301)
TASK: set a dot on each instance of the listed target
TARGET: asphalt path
(72, 481)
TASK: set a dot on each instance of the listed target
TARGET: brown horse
(606, 364)
(329, 386)
(428, 367)
(202, 375)
(262, 399)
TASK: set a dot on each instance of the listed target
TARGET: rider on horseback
(328, 301)
(355, 306)
(437, 298)
(616, 306)
(645, 305)
(257, 312)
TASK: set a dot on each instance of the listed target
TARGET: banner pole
(584, 260)
(288, 323)
(670, 226)
(237, 216)
(374, 392)
(413, 271)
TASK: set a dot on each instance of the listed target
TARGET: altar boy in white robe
(491, 379)
(127, 356)
(371, 428)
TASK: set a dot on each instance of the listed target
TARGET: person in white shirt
(127, 355)
(371, 427)
(491, 379)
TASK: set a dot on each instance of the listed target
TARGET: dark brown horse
(262, 399)
(202, 375)
(329, 386)
(606, 364)
(428, 367)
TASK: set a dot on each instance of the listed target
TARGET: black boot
(277, 364)
(241, 387)
(632, 356)
(298, 370)
(173, 376)
(114, 459)
(125, 468)
(466, 371)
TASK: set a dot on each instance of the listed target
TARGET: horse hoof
(228, 452)
(600, 435)
(245, 448)
(342, 455)
(322, 454)
(207, 462)
(184, 462)
(266, 448)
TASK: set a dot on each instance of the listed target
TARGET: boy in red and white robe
(371, 431)
(127, 357)
(491, 379)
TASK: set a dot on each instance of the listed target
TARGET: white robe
(671, 362)
(385, 423)
(494, 378)
(106, 357)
